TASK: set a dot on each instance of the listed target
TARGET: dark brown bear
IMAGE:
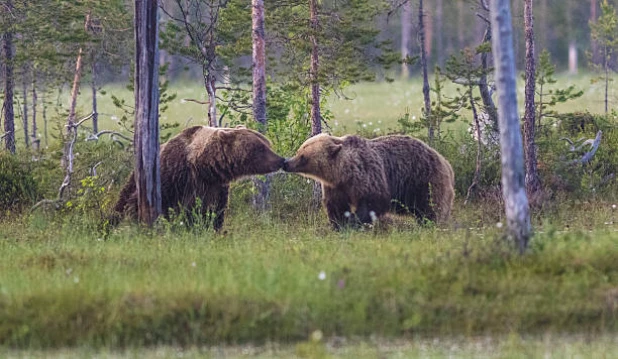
(200, 162)
(420, 180)
(369, 177)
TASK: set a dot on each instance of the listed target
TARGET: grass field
(274, 281)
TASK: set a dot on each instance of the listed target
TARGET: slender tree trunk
(24, 112)
(421, 39)
(533, 182)
(439, 31)
(606, 56)
(259, 63)
(488, 102)
(406, 30)
(513, 186)
(71, 130)
(45, 136)
(211, 90)
(259, 93)
(316, 118)
(146, 139)
(35, 140)
(479, 146)
(93, 85)
(9, 114)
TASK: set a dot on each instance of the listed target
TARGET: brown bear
(200, 162)
(369, 177)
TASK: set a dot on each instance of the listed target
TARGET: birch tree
(533, 182)
(513, 188)
(259, 91)
(146, 139)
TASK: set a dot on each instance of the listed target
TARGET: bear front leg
(337, 208)
(220, 206)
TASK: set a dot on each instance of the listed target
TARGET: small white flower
(114, 118)
(414, 117)
(373, 216)
(379, 121)
(364, 125)
(613, 206)
(347, 110)
(336, 123)
(370, 123)
(317, 335)
(347, 214)
(308, 181)
(181, 223)
(322, 275)
(192, 264)
(76, 279)
(499, 224)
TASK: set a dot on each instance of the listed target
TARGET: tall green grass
(270, 280)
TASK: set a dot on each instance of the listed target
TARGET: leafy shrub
(17, 185)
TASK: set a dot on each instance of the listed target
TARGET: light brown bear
(369, 177)
(200, 162)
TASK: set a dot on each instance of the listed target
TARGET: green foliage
(128, 118)
(18, 187)
(546, 98)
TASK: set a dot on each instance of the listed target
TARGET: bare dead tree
(427, 99)
(484, 89)
(513, 186)
(533, 181)
(71, 130)
(147, 163)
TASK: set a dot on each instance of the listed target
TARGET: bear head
(321, 158)
(235, 152)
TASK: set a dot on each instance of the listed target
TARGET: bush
(17, 185)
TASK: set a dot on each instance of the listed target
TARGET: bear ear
(334, 150)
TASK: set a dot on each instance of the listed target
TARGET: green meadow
(282, 284)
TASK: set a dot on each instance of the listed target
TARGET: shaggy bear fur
(399, 173)
(420, 180)
(200, 162)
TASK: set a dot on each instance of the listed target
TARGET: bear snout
(285, 166)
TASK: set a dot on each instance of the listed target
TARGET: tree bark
(316, 118)
(513, 186)
(211, 89)
(406, 30)
(439, 31)
(533, 182)
(24, 113)
(146, 138)
(35, 141)
(488, 102)
(9, 84)
(93, 85)
(259, 63)
(427, 99)
(259, 93)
